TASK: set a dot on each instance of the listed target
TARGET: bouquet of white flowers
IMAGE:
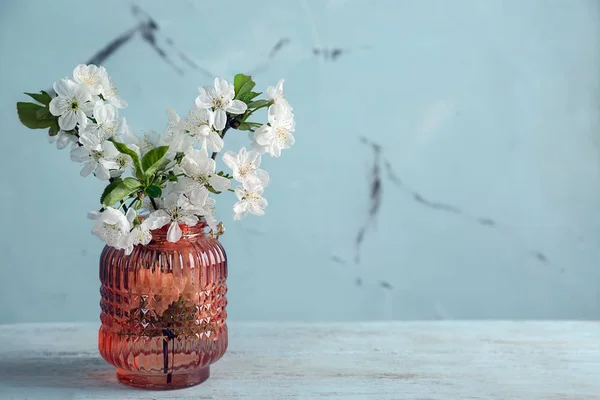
(171, 174)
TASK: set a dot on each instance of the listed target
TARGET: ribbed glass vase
(163, 309)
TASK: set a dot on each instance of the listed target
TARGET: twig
(227, 126)
(153, 203)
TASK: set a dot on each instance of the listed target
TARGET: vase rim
(188, 231)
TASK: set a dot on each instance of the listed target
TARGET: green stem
(133, 202)
(257, 108)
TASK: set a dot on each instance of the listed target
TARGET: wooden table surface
(397, 360)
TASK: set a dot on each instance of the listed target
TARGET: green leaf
(245, 90)
(155, 160)
(258, 103)
(248, 96)
(211, 189)
(252, 95)
(120, 191)
(42, 97)
(153, 156)
(224, 175)
(239, 81)
(154, 191)
(43, 113)
(28, 116)
(53, 130)
(123, 149)
(109, 188)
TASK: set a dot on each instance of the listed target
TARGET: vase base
(159, 382)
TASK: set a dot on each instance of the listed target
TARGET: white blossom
(62, 139)
(221, 99)
(174, 136)
(149, 141)
(198, 201)
(245, 165)
(200, 126)
(112, 226)
(87, 107)
(125, 134)
(122, 161)
(107, 121)
(200, 171)
(91, 76)
(209, 215)
(176, 210)
(111, 94)
(174, 124)
(277, 135)
(140, 234)
(71, 104)
(277, 96)
(98, 156)
(250, 200)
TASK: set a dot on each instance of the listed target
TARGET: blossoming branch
(173, 175)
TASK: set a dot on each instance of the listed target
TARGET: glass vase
(163, 309)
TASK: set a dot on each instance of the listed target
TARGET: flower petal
(262, 176)
(221, 85)
(230, 159)
(90, 141)
(82, 93)
(88, 168)
(102, 172)
(172, 114)
(215, 141)
(81, 119)
(63, 140)
(219, 183)
(156, 220)
(255, 209)
(237, 107)
(79, 154)
(174, 233)
(56, 106)
(275, 149)
(131, 214)
(264, 135)
(290, 140)
(118, 102)
(220, 119)
(253, 157)
(61, 87)
(240, 192)
(67, 121)
(189, 220)
(240, 207)
(93, 215)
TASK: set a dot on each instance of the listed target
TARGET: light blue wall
(485, 109)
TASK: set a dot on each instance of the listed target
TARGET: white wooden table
(400, 360)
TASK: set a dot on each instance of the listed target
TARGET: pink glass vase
(163, 309)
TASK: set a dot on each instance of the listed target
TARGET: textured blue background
(487, 114)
